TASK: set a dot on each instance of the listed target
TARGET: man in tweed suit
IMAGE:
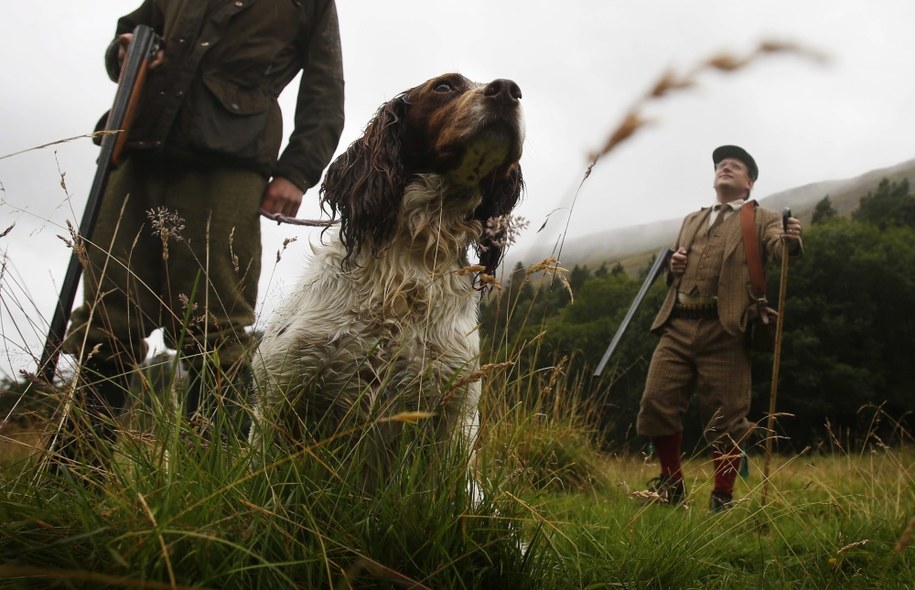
(703, 322)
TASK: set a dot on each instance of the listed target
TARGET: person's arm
(319, 109)
(281, 197)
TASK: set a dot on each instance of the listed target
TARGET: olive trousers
(177, 247)
(696, 357)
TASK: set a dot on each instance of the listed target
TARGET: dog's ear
(365, 184)
(501, 192)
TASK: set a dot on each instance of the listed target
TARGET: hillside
(633, 246)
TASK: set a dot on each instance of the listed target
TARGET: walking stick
(777, 355)
(142, 50)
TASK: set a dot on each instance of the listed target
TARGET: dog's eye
(442, 87)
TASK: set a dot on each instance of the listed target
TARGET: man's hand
(281, 197)
(678, 261)
(124, 42)
(794, 230)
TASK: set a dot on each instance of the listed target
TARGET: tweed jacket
(214, 99)
(736, 304)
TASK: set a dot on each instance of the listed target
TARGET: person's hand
(678, 261)
(124, 40)
(281, 197)
(794, 230)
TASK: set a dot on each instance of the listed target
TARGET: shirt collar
(733, 205)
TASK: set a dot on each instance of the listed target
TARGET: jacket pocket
(235, 121)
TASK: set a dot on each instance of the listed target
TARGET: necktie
(721, 211)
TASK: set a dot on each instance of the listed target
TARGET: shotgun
(660, 264)
(140, 53)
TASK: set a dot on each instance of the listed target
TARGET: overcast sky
(581, 64)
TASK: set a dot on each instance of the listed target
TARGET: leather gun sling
(751, 247)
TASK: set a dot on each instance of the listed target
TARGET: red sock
(667, 448)
(726, 466)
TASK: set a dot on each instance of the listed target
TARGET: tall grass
(177, 510)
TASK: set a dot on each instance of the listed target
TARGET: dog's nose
(503, 89)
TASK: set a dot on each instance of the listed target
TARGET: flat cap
(733, 151)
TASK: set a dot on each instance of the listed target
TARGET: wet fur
(384, 319)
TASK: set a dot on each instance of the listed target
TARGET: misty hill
(633, 246)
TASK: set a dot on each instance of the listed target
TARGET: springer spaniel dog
(384, 323)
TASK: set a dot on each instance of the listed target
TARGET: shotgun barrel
(142, 50)
(660, 264)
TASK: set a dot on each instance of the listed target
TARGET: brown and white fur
(384, 320)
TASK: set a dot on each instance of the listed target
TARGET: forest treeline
(847, 372)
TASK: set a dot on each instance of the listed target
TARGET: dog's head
(468, 133)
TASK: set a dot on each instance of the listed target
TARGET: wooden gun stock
(143, 51)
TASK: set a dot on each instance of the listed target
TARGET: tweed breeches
(697, 358)
(176, 247)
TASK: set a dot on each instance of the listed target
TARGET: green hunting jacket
(226, 61)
